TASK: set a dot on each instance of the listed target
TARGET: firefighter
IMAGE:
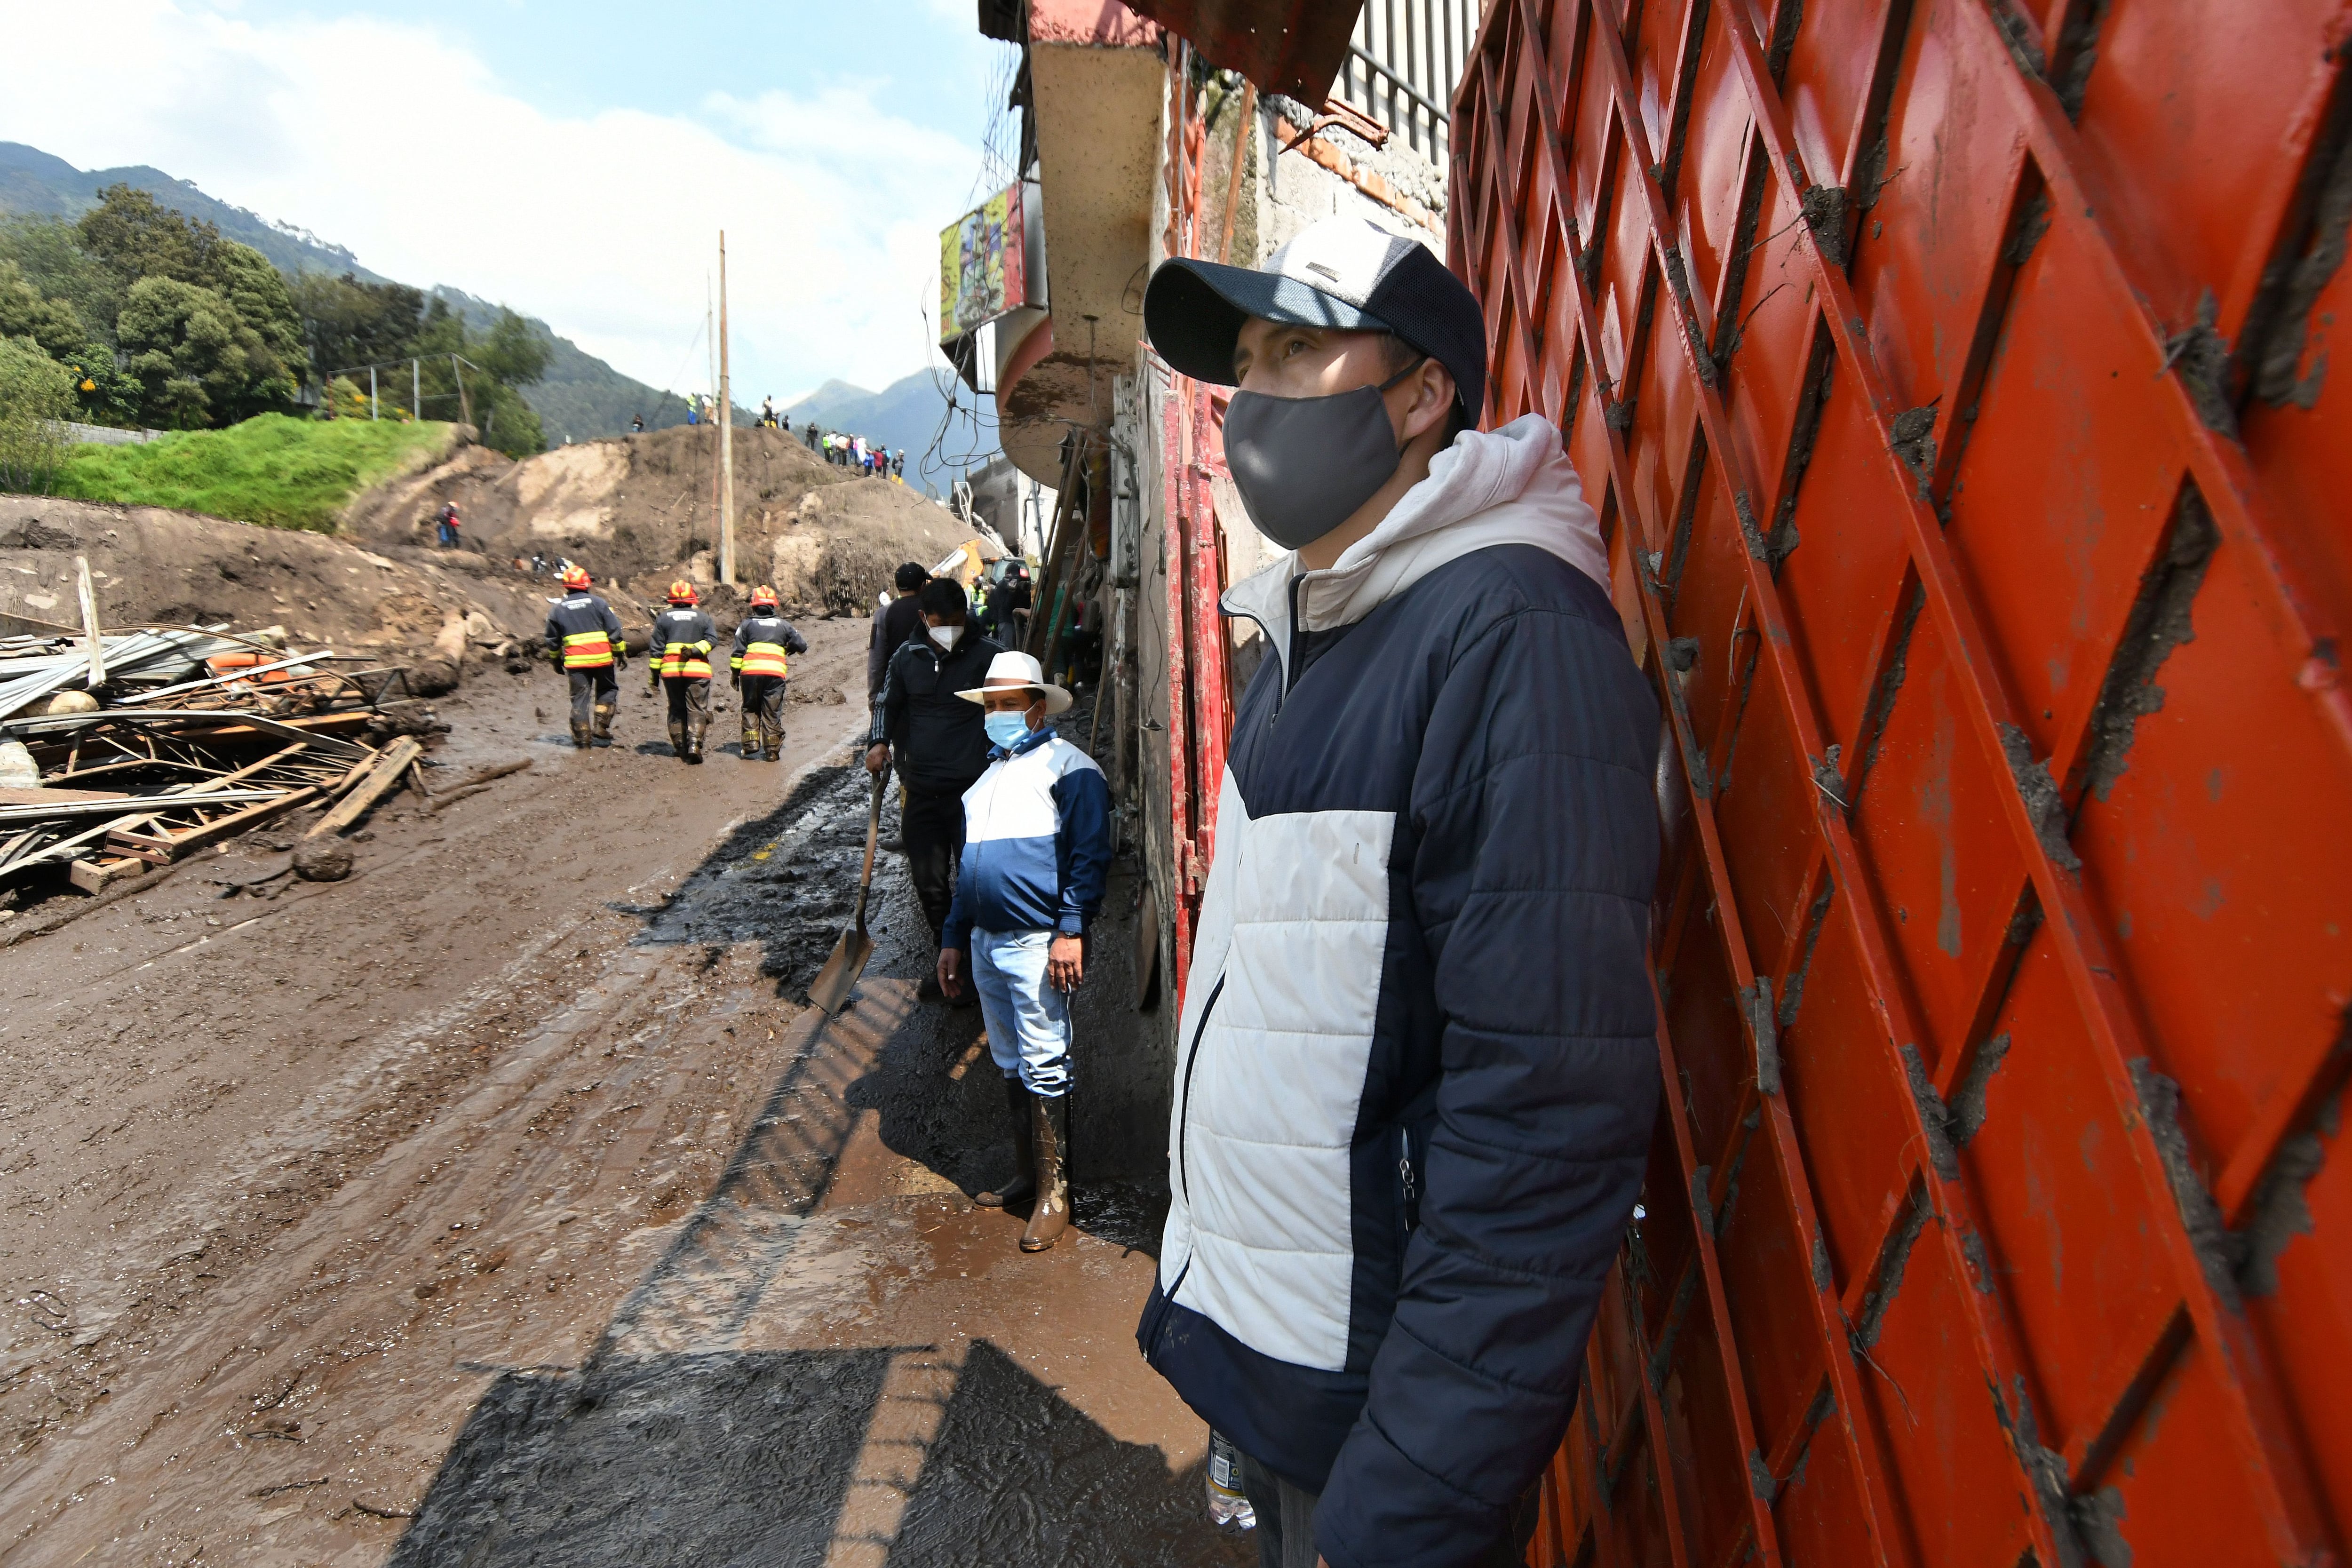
(583, 640)
(759, 671)
(679, 655)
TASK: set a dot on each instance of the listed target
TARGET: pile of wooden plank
(198, 735)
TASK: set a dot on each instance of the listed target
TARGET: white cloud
(404, 146)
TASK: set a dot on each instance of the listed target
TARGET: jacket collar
(1511, 486)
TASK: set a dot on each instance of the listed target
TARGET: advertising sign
(983, 264)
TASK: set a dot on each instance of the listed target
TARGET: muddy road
(503, 1206)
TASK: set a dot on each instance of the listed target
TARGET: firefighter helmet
(763, 594)
(575, 577)
(682, 593)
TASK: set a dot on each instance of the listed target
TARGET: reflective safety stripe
(686, 659)
(587, 650)
(763, 659)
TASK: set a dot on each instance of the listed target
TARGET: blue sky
(575, 161)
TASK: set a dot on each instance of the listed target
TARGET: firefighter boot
(1023, 1185)
(677, 739)
(1049, 1216)
(580, 737)
(695, 725)
(750, 744)
(603, 725)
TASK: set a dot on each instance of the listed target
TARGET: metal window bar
(1403, 65)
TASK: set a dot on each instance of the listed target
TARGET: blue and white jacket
(1037, 843)
(1416, 1074)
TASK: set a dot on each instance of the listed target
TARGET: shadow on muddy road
(758, 1458)
(788, 880)
(674, 1445)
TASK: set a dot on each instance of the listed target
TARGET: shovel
(831, 988)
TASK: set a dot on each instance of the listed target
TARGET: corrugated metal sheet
(1954, 378)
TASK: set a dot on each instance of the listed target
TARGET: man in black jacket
(1416, 1074)
(893, 625)
(941, 740)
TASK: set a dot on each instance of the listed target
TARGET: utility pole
(374, 410)
(726, 434)
(417, 390)
(465, 404)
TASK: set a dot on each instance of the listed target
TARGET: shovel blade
(831, 988)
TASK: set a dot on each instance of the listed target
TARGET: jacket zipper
(1184, 1102)
(1411, 1191)
(1289, 658)
(1157, 1322)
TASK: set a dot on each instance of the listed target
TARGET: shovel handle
(873, 830)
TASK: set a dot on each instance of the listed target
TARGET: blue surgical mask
(1007, 729)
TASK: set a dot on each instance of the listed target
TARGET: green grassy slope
(280, 472)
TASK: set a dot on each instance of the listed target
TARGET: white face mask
(946, 636)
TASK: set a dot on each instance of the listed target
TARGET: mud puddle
(787, 880)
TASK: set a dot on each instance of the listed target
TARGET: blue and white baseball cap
(1343, 273)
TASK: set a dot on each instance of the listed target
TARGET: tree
(35, 396)
(25, 312)
(348, 323)
(256, 291)
(136, 237)
(48, 252)
(195, 359)
(512, 352)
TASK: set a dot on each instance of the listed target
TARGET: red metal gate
(1953, 375)
(1191, 456)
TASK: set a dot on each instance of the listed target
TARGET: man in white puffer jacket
(1416, 1075)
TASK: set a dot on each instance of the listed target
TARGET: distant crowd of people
(843, 451)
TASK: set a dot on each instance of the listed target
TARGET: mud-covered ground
(503, 1206)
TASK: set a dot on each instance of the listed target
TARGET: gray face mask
(1303, 465)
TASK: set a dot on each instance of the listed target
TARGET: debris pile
(133, 749)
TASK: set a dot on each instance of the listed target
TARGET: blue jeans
(1028, 1020)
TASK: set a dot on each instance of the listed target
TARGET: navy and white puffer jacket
(1037, 843)
(1416, 1070)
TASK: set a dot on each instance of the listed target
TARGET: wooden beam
(381, 780)
(95, 876)
(164, 848)
(89, 622)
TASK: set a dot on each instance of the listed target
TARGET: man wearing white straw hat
(1036, 852)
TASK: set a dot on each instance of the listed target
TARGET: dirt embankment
(638, 510)
(151, 566)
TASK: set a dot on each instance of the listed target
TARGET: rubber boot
(1049, 1216)
(694, 742)
(603, 726)
(580, 737)
(750, 747)
(1023, 1185)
